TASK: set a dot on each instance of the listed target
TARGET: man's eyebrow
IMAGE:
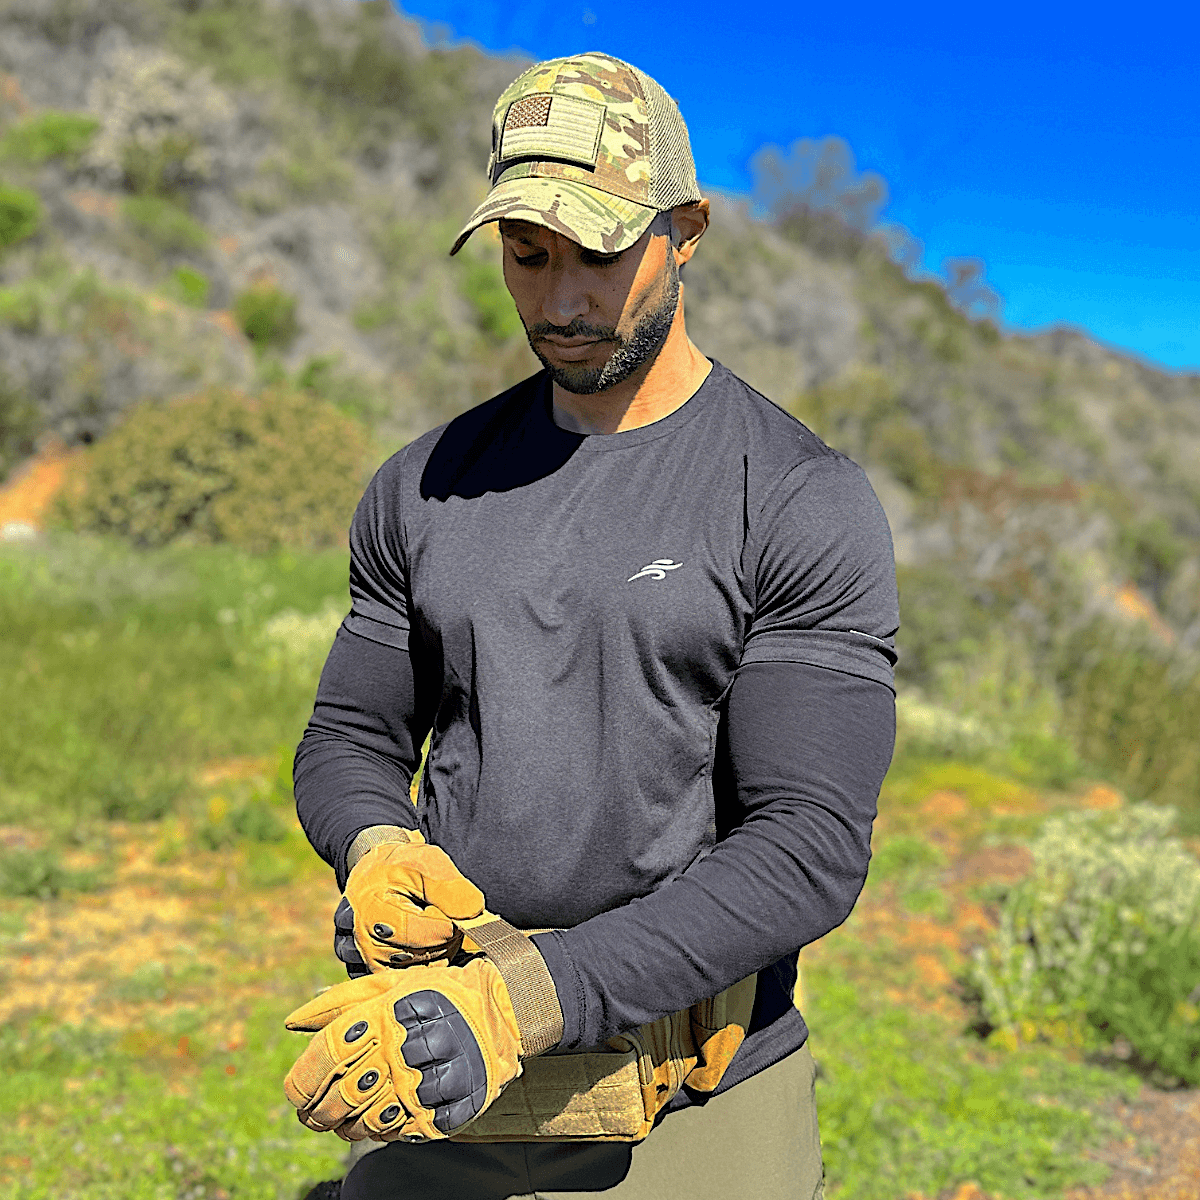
(517, 235)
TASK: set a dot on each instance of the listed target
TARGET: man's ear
(688, 223)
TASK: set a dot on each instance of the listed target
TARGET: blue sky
(1058, 142)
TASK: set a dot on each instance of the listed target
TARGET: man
(647, 619)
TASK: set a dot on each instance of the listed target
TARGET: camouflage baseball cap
(588, 146)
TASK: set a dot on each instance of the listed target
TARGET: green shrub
(495, 314)
(280, 470)
(21, 307)
(1102, 941)
(163, 224)
(1135, 713)
(48, 135)
(41, 875)
(347, 391)
(1152, 550)
(266, 314)
(190, 286)
(254, 820)
(20, 422)
(20, 215)
(126, 795)
(157, 168)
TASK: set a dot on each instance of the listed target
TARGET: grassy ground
(160, 912)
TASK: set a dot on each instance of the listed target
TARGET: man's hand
(400, 905)
(410, 1055)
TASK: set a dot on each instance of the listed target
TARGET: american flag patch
(548, 125)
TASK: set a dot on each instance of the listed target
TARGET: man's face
(593, 319)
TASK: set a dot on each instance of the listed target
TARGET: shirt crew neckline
(600, 443)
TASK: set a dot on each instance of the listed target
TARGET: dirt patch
(27, 496)
(162, 935)
(1160, 1157)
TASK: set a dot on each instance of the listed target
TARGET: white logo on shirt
(656, 570)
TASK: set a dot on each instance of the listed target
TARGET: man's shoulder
(447, 450)
(773, 442)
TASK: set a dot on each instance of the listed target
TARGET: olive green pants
(758, 1140)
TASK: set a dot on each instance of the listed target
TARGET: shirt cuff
(567, 984)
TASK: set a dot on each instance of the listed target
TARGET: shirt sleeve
(379, 593)
(824, 573)
(363, 742)
(805, 749)
(362, 746)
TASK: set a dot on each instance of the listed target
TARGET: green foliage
(253, 820)
(21, 308)
(42, 875)
(156, 169)
(20, 423)
(862, 415)
(981, 699)
(283, 469)
(482, 284)
(20, 215)
(1153, 551)
(907, 1107)
(904, 855)
(913, 866)
(137, 668)
(266, 314)
(1105, 931)
(48, 135)
(190, 286)
(148, 1107)
(1134, 714)
(346, 391)
(163, 224)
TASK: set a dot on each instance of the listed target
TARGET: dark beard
(641, 346)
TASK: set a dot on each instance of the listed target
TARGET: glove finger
(402, 923)
(335, 1001)
(343, 917)
(355, 1088)
(318, 1070)
(385, 1116)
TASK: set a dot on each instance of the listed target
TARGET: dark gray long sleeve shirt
(656, 670)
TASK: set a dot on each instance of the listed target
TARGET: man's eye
(600, 260)
(528, 260)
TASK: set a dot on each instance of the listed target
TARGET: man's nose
(566, 297)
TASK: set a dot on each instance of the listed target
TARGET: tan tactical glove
(413, 1054)
(400, 904)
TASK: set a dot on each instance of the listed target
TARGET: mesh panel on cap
(672, 170)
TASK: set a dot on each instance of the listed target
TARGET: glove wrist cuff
(375, 835)
(528, 980)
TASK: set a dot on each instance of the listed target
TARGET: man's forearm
(808, 748)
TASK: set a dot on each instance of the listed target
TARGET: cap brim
(595, 219)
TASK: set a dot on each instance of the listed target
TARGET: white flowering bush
(161, 122)
(1102, 941)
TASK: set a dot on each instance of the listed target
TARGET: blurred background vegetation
(225, 297)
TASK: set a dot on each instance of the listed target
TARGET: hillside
(249, 192)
